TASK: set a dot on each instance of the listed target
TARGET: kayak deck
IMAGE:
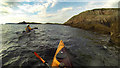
(61, 57)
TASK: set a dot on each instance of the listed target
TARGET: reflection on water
(85, 48)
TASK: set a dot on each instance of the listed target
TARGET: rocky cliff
(96, 20)
(103, 20)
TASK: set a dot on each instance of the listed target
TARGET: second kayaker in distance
(28, 28)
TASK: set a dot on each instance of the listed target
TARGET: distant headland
(28, 23)
(24, 22)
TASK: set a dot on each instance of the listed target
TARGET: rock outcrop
(28, 23)
(103, 20)
(115, 31)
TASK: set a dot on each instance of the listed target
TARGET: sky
(48, 11)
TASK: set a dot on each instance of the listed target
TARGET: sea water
(86, 48)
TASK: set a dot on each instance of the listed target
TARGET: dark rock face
(105, 20)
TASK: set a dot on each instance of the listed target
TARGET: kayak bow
(61, 58)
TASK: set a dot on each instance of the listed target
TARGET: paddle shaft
(41, 59)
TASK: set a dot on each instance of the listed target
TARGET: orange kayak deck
(61, 57)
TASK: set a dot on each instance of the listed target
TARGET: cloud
(5, 10)
(102, 4)
(42, 6)
(66, 9)
(17, 0)
(14, 11)
(3, 3)
(59, 17)
(111, 4)
(28, 0)
(93, 5)
(37, 7)
(31, 8)
(53, 4)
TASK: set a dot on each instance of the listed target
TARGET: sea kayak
(61, 57)
(27, 33)
(24, 33)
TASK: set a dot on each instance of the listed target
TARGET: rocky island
(38, 23)
(28, 22)
(104, 20)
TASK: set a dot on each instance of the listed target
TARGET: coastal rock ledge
(104, 20)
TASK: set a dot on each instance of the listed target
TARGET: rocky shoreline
(103, 21)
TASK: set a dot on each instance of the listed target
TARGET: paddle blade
(39, 57)
(35, 28)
